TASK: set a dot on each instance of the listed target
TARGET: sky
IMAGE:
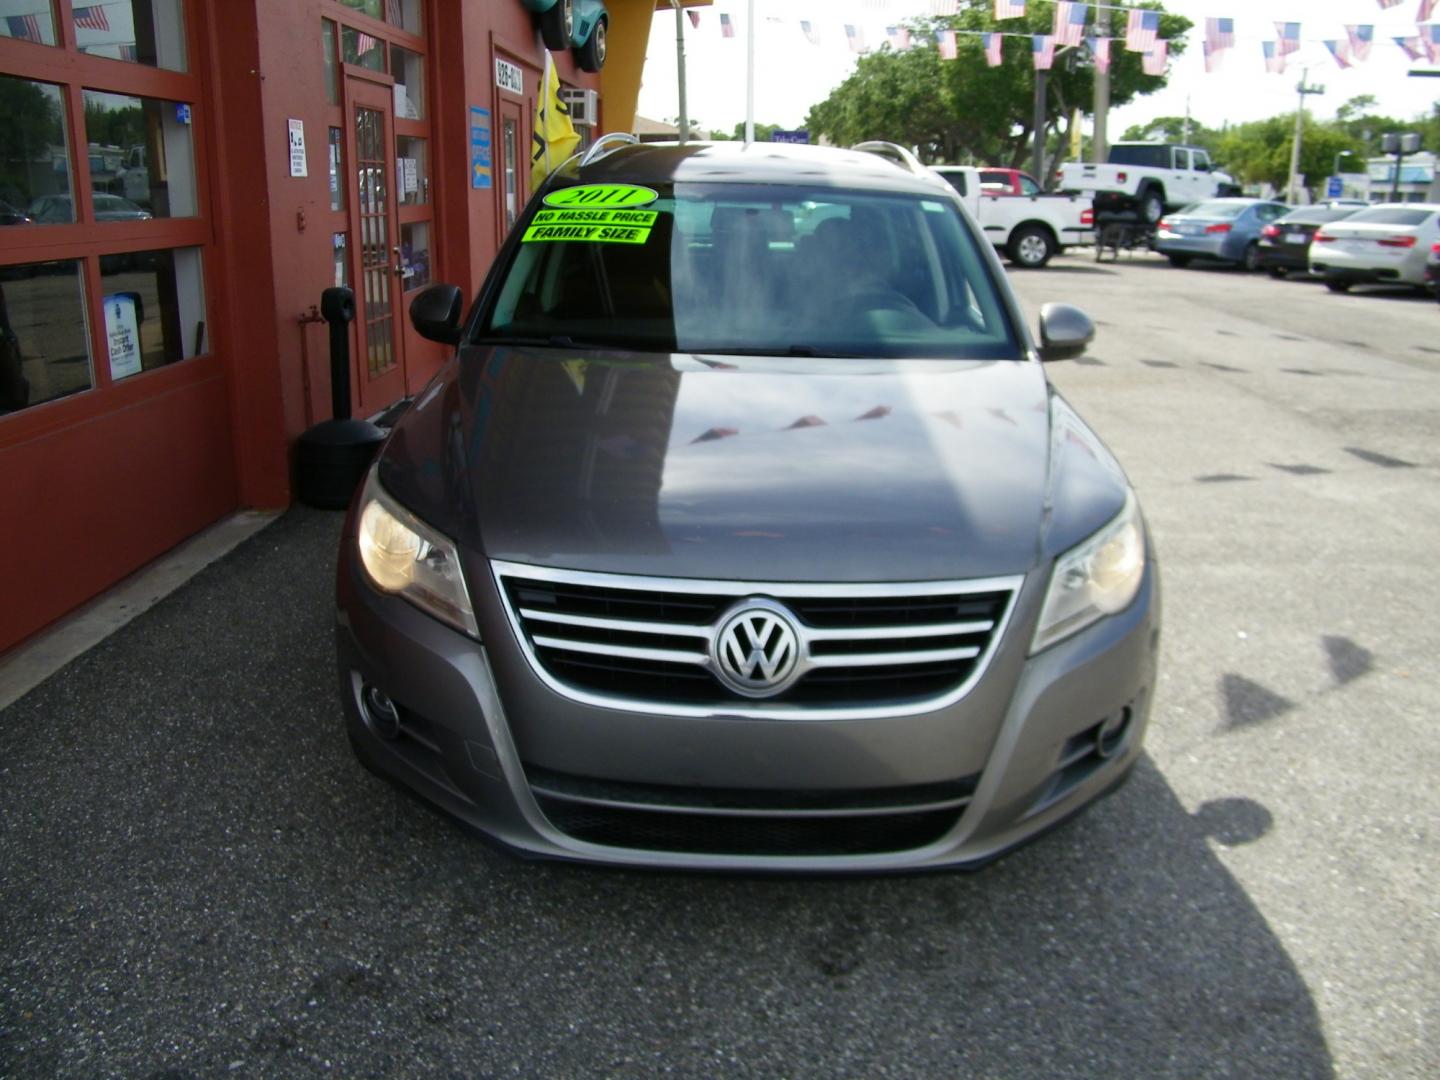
(792, 74)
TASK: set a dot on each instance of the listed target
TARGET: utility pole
(1185, 131)
(1099, 147)
(680, 68)
(1038, 152)
(1291, 195)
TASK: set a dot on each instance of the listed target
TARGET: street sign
(801, 136)
(1334, 187)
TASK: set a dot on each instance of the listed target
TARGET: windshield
(1218, 209)
(762, 269)
(1390, 215)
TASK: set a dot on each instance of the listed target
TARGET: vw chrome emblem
(757, 651)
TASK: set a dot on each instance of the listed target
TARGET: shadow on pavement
(198, 879)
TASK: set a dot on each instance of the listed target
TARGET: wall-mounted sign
(509, 76)
(481, 173)
(297, 148)
(123, 331)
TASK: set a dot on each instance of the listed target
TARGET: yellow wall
(630, 22)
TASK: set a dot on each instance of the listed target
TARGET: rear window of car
(1391, 215)
(1218, 209)
(764, 269)
(1157, 157)
(1318, 216)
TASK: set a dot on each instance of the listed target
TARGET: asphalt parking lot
(197, 879)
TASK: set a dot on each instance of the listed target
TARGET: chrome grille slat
(865, 650)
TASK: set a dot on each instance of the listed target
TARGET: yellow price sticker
(607, 196)
(597, 234)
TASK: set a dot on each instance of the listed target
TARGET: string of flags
(1073, 28)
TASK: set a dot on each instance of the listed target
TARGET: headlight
(1095, 578)
(403, 555)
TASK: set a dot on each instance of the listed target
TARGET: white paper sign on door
(123, 331)
(297, 148)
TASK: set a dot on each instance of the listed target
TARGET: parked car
(1285, 242)
(60, 209)
(745, 531)
(1143, 180)
(1001, 181)
(1432, 269)
(1385, 244)
(1029, 230)
(1227, 230)
(582, 25)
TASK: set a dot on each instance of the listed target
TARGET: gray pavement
(197, 879)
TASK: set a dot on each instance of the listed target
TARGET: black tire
(592, 54)
(1179, 260)
(557, 24)
(1335, 285)
(1250, 261)
(1030, 247)
(1279, 273)
(1152, 205)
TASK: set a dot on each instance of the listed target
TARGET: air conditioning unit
(584, 105)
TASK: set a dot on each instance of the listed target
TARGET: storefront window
(360, 48)
(34, 164)
(415, 255)
(374, 8)
(336, 156)
(141, 157)
(406, 14)
(34, 22)
(408, 69)
(154, 309)
(412, 173)
(332, 66)
(44, 343)
(149, 32)
(510, 144)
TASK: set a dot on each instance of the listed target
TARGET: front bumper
(1020, 753)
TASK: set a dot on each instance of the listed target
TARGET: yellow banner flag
(555, 137)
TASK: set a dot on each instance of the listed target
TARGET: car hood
(751, 468)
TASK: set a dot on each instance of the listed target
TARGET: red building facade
(179, 181)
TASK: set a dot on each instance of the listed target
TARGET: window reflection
(149, 32)
(360, 48)
(412, 177)
(407, 67)
(154, 309)
(44, 344)
(415, 255)
(34, 162)
(332, 66)
(142, 158)
(33, 22)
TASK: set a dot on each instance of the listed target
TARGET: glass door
(380, 365)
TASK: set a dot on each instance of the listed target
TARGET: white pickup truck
(1147, 179)
(1029, 229)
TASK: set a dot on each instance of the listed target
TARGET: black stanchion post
(337, 306)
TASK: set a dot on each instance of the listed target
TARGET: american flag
(727, 28)
(811, 34)
(991, 43)
(91, 18)
(24, 27)
(1042, 51)
(694, 19)
(130, 53)
(1361, 38)
(394, 13)
(1340, 50)
(856, 37)
(1289, 34)
(944, 7)
(1274, 58)
(1430, 38)
(1412, 46)
(1155, 60)
(1070, 22)
(364, 43)
(1220, 34)
(1389, 3)
(1141, 30)
(1212, 58)
(945, 42)
(899, 37)
(1100, 50)
(1009, 9)
(1426, 8)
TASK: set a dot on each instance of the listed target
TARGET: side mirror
(1064, 332)
(435, 313)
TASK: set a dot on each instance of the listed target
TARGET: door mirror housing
(1065, 331)
(435, 313)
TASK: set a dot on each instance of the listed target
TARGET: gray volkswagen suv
(744, 531)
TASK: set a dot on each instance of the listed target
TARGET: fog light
(1112, 733)
(379, 712)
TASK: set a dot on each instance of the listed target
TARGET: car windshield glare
(1219, 208)
(758, 269)
(1390, 215)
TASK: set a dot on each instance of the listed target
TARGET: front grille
(648, 644)
(656, 817)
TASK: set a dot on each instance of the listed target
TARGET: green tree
(1259, 152)
(966, 109)
(1172, 129)
(30, 127)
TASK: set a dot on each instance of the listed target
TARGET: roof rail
(897, 153)
(607, 144)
